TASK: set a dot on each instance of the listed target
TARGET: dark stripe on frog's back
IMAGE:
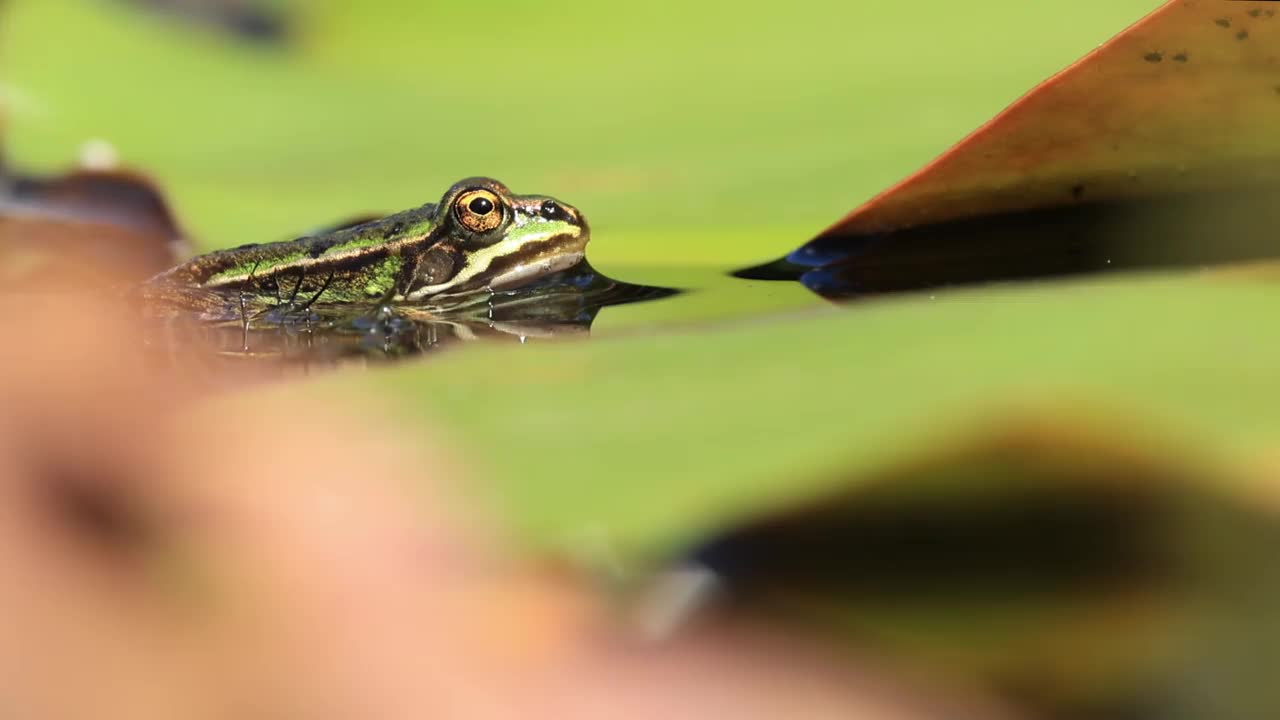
(367, 276)
(340, 253)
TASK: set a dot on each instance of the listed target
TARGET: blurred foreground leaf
(84, 226)
(1054, 559)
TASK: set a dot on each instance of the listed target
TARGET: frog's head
(504, 240)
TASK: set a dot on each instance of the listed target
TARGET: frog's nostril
(552, 210)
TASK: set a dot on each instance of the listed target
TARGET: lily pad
(655, 441)
(1158, 148)
(1184, 100)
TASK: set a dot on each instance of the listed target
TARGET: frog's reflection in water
(562, 305)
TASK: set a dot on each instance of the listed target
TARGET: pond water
(563, 305)
(1179, 231)
(56, 228)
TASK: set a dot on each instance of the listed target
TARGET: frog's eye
(478, 210)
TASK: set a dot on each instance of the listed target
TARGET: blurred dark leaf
(254, 20)
(1052, 561)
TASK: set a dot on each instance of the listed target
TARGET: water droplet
(98, 154)
(673, 599)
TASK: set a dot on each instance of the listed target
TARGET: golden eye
(478, 210)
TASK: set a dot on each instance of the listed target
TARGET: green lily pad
(653, 442)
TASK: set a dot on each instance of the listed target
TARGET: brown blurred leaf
(84, 226)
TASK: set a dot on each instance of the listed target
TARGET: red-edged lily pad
(1186, 99)
(1164, 137)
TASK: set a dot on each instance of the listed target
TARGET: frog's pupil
(481, 206)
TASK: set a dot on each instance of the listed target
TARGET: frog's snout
(555, 210)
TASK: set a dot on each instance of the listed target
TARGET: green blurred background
(691, 133)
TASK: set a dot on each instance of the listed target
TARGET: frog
(479, 238)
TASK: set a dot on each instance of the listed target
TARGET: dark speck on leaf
(1242, 35)
(1181, 57)
(1153, 57)
(1077, 192)
(1255, 13)
(240, 19)
(1223, 22)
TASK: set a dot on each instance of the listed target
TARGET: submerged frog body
(480, 237)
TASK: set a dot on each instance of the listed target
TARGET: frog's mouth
(536, 260)
(535, 249)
